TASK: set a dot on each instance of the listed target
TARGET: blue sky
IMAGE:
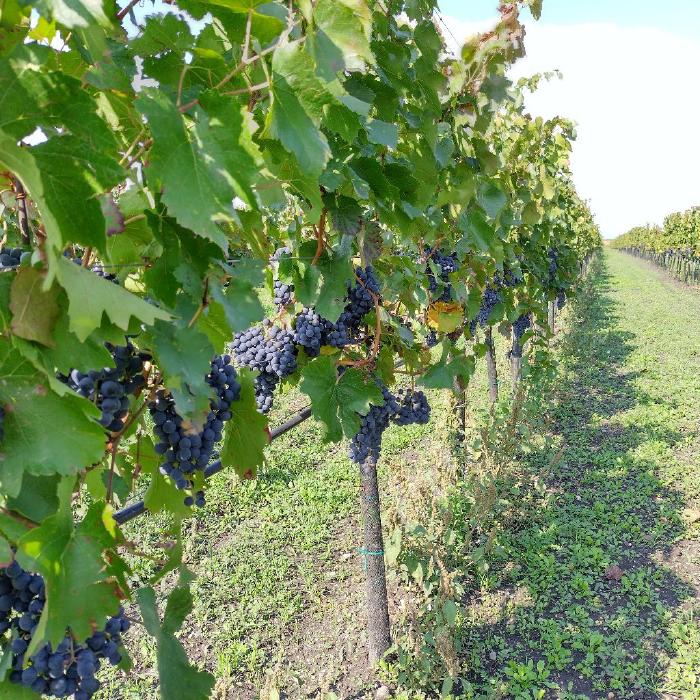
(677, 16)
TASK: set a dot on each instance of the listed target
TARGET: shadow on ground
(558, 598)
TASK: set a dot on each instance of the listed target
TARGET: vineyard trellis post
(491, 364)
(372, 553)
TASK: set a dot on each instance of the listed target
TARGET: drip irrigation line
(139, 507)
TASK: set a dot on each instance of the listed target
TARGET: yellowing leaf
(445, 316)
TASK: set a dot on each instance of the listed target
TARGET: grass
(611, 479)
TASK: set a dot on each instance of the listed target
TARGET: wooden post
(551, 316)
(516, 363)
(491, 365)
(378, 629)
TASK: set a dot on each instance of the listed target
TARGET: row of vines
(674, 246)
(204, 202)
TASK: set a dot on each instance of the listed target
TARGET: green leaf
(246, 435)
(64, 179)
(178, 679)
(79, 592)
(336, 273)
(90, 296)
(299, 99)
(6, 553)
(338, 401)
(44, 433)
(199, 162)
(184, 356)
(162, 494)
(382, 133)
(77, 14)
(38, 498)
(33, 96)
(34, 310)
(491, 199)
(341, 41)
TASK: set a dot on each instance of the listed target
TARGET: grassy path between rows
(594, 584)
(604, 581)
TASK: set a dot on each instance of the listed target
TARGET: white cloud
(633, 93)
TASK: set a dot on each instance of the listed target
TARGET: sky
(630, 82)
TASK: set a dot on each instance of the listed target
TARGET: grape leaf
(6, 553)
(70, 558)
(200, 164)
(342, 36)
(161, 494)
(178, 679)
(44, 433)
(38, 498)
(64, 178)
(338, 401)
(299, 99)
(90, 296)
(491, 199)
(337, 272)
(246, 434)
(33, 97)
(77, 14)
(34, 310)
(184, 356)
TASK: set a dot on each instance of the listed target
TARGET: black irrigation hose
(139, 507)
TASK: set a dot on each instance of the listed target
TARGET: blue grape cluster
(10, 257)
(367, 442)
(184, 450)
(522, 324)
(409, 407)
(310, 328)
(282, 294)
(509, 278)
(491, 297)
(280, 253)
(359, 301)
(447, 264)
(97, 268)
(413, 408)
(70, 668)
(561, 299)
(271, 351)
(431, 340)
(110, 387)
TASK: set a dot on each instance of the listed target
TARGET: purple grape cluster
(70, 668)
(184, 450)
(408, 408)
(509, 278)
(431, 340)
(282, 294)
(10, 257)
(110, 387)
(561, 299)
(522, 324)
(447, 264)
(310, 331)
(413, 408)
(359, 301)
(271, 351)
(491, 297)
(280, 253)
(97, 268)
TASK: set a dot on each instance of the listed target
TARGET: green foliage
(344, 130)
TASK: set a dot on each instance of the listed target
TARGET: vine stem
(320, 231)
(126, 9)
(22, 216)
